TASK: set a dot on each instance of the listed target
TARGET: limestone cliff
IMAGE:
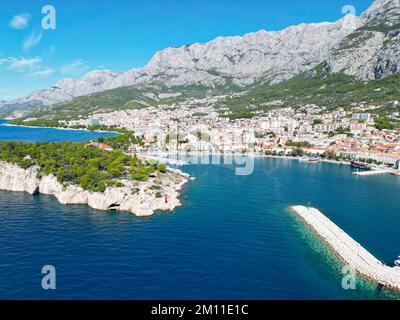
(139, 198)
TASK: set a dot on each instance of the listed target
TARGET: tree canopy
(79, 163)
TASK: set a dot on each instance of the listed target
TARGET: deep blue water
(46, 134)
(233, 238)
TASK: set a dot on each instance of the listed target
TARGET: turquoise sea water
(233, 238)
(46, 134)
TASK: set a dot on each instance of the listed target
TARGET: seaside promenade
(350, 251)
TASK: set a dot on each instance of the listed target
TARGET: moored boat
(360, 165)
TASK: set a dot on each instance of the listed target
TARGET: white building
(362, 116)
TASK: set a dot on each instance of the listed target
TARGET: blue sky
(123, 34)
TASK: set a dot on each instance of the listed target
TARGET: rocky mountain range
(372, 51)
(366, 47)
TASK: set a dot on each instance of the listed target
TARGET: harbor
(349, 250)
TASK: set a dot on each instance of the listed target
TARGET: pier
(373, 172)
(350, 251)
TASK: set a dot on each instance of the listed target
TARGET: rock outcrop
(138, 198)
(373, 50)
(14, 178)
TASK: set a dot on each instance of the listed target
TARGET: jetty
(373, 172)
(349, 250)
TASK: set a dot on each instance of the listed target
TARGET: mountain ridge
(372, 51)
(270, 56)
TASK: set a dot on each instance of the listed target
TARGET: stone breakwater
(140, 198)
(350, 251)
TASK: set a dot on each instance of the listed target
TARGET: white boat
(397, 262)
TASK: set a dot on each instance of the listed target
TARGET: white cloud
(32, 67)
(22, 64)
(20, 21)
(42, 73)
(33, 40)
(75, 68)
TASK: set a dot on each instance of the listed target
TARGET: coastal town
(197, 127)
(197, 158)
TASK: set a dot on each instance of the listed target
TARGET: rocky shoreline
(159, 193)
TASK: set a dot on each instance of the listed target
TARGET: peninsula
(101, 174)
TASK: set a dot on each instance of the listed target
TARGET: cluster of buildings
(197, 127)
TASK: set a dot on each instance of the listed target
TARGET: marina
(350, 251)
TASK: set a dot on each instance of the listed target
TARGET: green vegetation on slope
(117, 99)
(315, 87)
(384, 123)
(124, 98)
(381, 27)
